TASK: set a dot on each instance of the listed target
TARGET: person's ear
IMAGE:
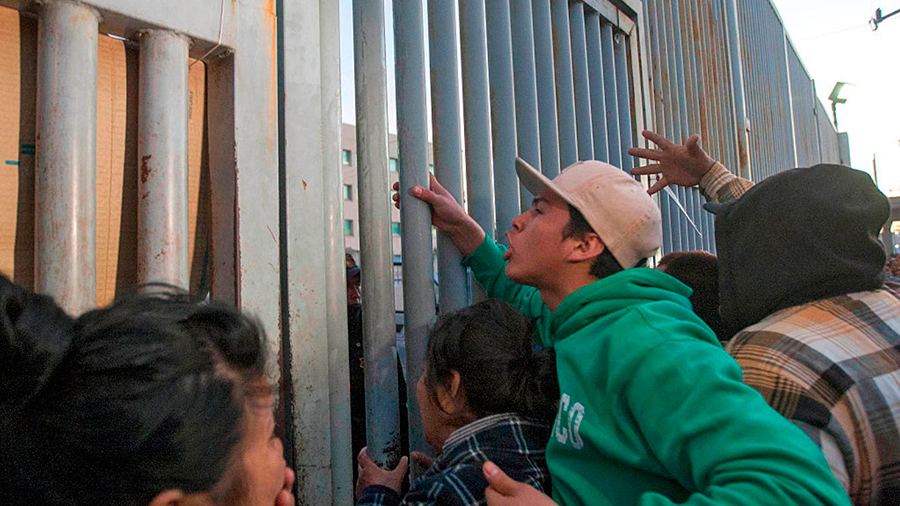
(587, 248)
(450, 398)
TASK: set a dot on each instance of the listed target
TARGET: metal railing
(552, 81)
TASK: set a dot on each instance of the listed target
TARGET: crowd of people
(769, 374)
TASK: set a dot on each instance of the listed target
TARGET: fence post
(65, 166)
(163, 158)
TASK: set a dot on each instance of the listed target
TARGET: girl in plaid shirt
(485, 395)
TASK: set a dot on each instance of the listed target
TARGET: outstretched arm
(688, 165)
(675, 164)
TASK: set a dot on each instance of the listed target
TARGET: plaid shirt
(515, 444)
(832, 366)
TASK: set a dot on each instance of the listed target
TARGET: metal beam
(581, 79)
(565, 88)
(342, 458)
(444, 40)
(503, 116)
(379, 342)
(65, 166)
(163, 159)
(546, 87)
(527, 134)
(418, 263)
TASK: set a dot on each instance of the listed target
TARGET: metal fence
(552, 81)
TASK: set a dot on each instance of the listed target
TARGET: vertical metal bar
(565, 92)
(653, 37)
(476, 108)
(792, 133)
(527, 134)
(418, 264)
(442, 25)
(342, 458)
(611, 97)
(624, 101)
(598, 92)
(162, 154)
(546, 87)
(582, 88)
(673, 127)
(503, 116)
(682, 114)
(65, 167)
(379, 342)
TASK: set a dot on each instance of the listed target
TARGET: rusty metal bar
(379, 343)
(443, 39)
(163, 159)
(65, 166)
(418, 260)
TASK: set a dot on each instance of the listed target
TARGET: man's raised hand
(447, 215)
(675, 164)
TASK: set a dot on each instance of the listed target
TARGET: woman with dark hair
(485, 395)
(157, 399)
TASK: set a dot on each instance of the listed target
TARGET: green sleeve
(489, 268)
(718, 437)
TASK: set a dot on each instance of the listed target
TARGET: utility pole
(878, 19)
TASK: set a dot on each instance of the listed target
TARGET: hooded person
(652, 410)
(801, 277)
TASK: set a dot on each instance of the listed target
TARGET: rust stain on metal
(272, 234)
(145, 168)
(304, 185)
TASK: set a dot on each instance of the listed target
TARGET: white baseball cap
(616, 206)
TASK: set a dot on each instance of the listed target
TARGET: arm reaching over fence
(688, 165)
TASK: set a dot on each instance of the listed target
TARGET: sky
(834, 41)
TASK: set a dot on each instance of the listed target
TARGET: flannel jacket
(832, 366)
(455, 478)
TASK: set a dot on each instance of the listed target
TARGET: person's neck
(553, 294)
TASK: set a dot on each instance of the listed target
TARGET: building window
(346, 155)
(348, 192)
(394, 165)
(348, 227)
(395, 228)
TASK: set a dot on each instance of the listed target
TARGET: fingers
(657, 139)
(649, 154)
(402, 467)
(657, 186)
(693, 142)
(498, 480)
(363, 457)
(423, 461)
(396, 186)
(646, 170)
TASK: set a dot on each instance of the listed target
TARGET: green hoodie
(652, 409)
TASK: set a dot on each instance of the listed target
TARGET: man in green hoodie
(652, 410)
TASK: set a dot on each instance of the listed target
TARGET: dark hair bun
(540, 394)
(35, 335)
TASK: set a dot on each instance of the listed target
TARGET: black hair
(605, 264)
(699, 270)
(121, 403)
(490, 345)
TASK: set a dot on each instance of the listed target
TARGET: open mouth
(507, 255)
